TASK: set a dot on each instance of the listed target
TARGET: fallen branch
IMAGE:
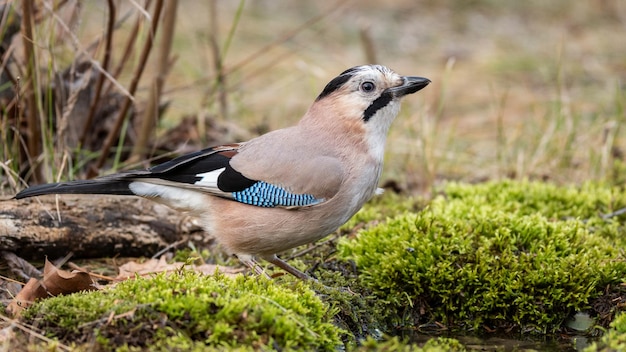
(89, 227)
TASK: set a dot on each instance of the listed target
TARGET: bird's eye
(368, 86)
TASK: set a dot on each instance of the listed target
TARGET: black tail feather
(96, 186)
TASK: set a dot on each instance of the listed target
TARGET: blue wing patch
(263, 194)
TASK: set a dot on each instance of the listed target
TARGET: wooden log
(90, 226)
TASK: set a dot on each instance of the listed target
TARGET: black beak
(410, 85)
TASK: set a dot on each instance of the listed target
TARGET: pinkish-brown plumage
(283, 189)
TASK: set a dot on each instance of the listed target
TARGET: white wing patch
(175, 197)
(209, 179)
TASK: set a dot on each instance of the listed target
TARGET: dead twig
(101, 78)
(220, 79)
(169, 247)
(79, 48)
(128, 49)
(614, 214)
(147, 48)
(150, 114)
(30, 330)
(34, 127)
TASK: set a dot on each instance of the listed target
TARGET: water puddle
(570, 343)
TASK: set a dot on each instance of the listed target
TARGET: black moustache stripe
(376, 105)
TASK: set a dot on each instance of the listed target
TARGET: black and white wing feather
(206, 171)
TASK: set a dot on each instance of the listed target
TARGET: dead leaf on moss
(151, 266)
(29, 293)
(58, 282)
(55, 282)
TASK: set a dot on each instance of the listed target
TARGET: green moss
(381, 207)
(438, 344)
(501, 254)
(187, 311)
(191, 255)
(615, 338)
(551, 201)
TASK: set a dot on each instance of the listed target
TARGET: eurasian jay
(283, 189)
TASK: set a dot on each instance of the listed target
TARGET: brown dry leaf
(130, 269)
(59, 282)
(29, 293)
(55, 282)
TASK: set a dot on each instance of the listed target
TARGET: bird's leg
(249, 261)
(302, 276)
(288, 268)
(293, 271)
(252, 264)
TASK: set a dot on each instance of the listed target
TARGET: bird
(283, 189)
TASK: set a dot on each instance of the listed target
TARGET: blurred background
(532, 89)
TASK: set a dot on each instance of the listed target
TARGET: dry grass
(532, 89)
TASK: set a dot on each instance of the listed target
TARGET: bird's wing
(272, 177)
(211, 171)
(292, 160)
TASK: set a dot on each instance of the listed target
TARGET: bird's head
(366, 98)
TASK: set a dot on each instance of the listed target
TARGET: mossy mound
(380, 208)
(498, 255)
(508, 255)
(189, 311)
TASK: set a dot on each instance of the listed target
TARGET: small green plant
(500, 254)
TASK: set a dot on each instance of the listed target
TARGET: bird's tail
(96, 186)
